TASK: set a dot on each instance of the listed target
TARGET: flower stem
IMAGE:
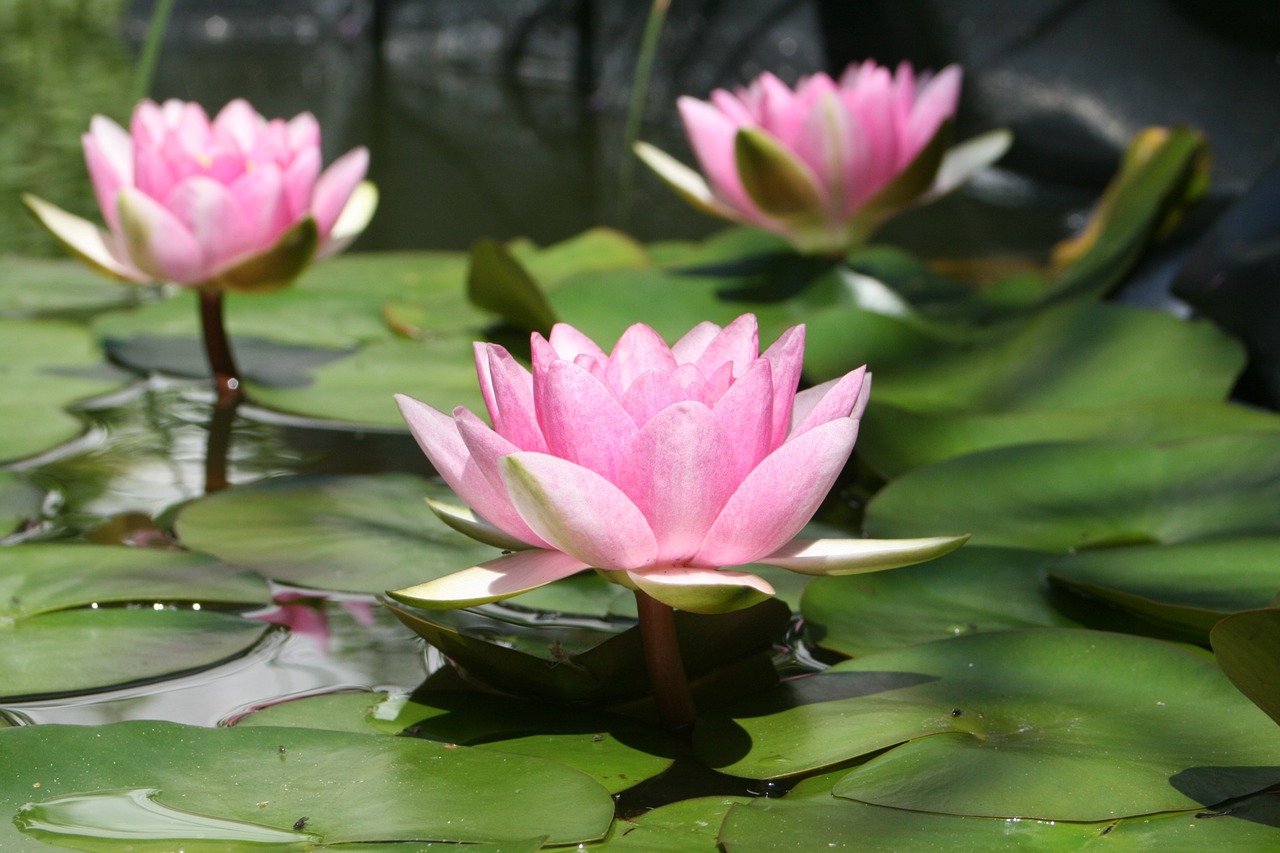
(226, 381)
(666, 667)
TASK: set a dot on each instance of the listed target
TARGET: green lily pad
(349, 788)
(358, 388)
(19, 502)
(41, 578)
(894, 440)
(1247, 646)
(42, 286)
(950, 596)
(87, 650)
(685, 826)
(817, 825)
(618, 752)
(351, 534)
(1059, 497)
(1079, 355)
(46, 366)
(1054, 724)
(79, 618)
(1184, 588)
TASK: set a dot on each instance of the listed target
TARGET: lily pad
(1059, 497)
(817, 825)
(351, 534)
(78, 618)
(1054, 724)
(894, 440)
(87, 650)
(41, 286)
(19, 501)
(686, 826)
(973, 590)
(1248, 649)
(46, 366)
(349, 788)
(618, 752)
(1183, 588)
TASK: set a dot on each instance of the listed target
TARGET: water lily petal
(786, 357)
(670, 471)
(108, 154)
(857, 556)
(582, 421)
(845, 397)
(88, 242)
(703, 590)
(157, 241)
(737, 344)
(779, 496)
(639, 350)
(352, 221)
(745, 412)
(711, 135)
(578, 511)
(494, 580)
(508, 394)
(336, 185)
(466, 522)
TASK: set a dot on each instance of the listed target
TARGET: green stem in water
(145, 72)
(666, 667)
(226, 379)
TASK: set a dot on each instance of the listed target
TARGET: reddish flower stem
(218, 447)
(666, 667)
(226, 379)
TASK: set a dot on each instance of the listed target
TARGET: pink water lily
(238, 203)
(827, 162)
(663, 467)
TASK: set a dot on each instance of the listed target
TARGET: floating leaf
(818, 824)
(498, 283)
(42, 286)
(19, 502)
(349, 788)
(353, 534)
(1181, 589)
(1055, 724)
(1059, 497)
(86, 650)
(45, 367)
(1248, 649)
(947, 597)
(685, 826)
(894, 440)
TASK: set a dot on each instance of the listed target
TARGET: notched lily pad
(349, 788)
(1054, 724)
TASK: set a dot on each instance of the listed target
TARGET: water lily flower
(828, 162)
(236, 204)
(662, 467)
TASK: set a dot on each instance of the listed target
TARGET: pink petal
(438, 436)
(495, 580)
(738, 344)
(108, 154)
(672, 471)
(568, 343)
(241, 122)
(651, 393)
(779, 496)
(781, 112)
(827, 142)
(711, 135)
(216, 220)
(157, 241)
(786, 356)
(487, 449)
(578, 511)
(299, 183)
(694, 343)
(745, 412)
(335, 186)
(582, 421)
(640, 349)
(845, 397)
(265, 213)
(508, 394)
(936, 102)
(302, 132)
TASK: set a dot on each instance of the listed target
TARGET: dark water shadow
(1251, 793)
